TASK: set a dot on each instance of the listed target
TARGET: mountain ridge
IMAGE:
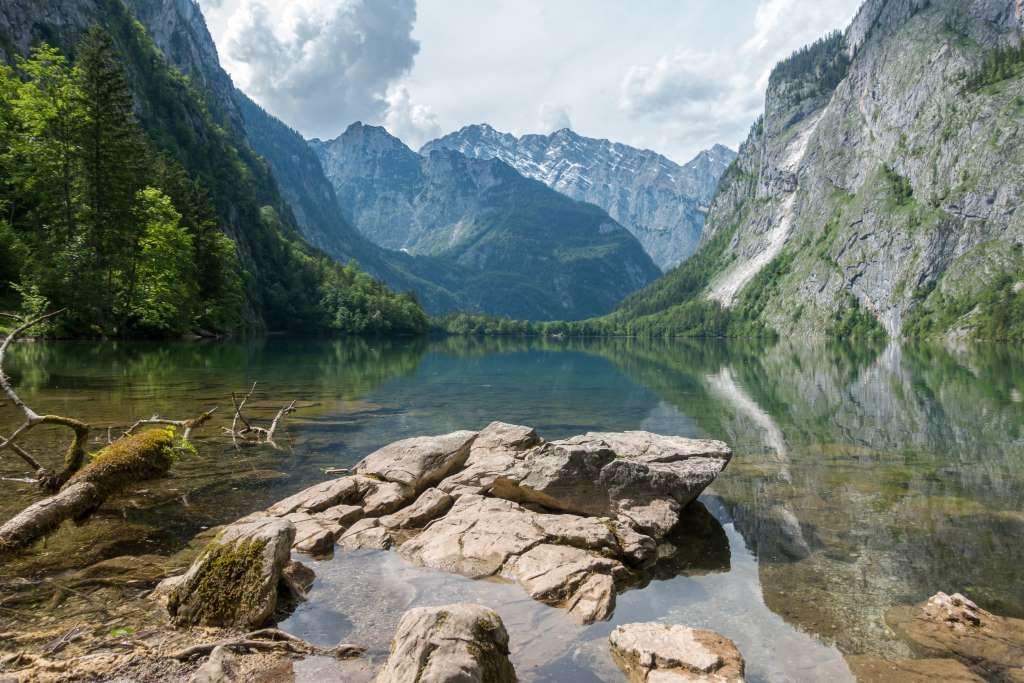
(661, 202)
(486, 217)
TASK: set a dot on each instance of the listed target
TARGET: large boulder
(420, 462)
(234, 582)
(639, 477)
(494, 452)
(450, 644)
(662, 653)
(952, 625)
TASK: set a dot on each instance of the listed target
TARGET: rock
(953, 625)
(567, 577)
(420, 462)
(875, 670)
(342, 515)
(431, 504)
(299, 576)
(312, 535)
(319, 497)
(495, 450)
(574, 522)
(219, 668)
(639, 477)
(450, 644)
(366, 534)
(661, 653)
(552, 556)
(234, 582)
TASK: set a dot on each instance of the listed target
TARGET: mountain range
(527, 250)
(662, 203)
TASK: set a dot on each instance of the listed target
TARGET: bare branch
(290, 408)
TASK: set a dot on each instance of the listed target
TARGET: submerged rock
(574, 522)
(662, 653)
(235, 581)
(877, 670)
(953, 625)
(450, 644)
(219, 668)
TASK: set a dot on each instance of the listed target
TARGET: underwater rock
(876, 670)
(450, 644)
(234, 582)
(953, 625)
(662, 653)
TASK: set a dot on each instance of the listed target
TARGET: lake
(862, 478)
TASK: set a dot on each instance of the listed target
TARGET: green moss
(229, 582)
(145, 455)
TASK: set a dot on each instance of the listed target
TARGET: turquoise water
(861, 480)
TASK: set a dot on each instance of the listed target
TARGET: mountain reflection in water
(862, 478)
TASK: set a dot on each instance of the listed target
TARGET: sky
(675, 76)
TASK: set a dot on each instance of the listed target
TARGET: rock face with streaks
(574, 522)
(882, 185)
(450, 644)
(662, 653)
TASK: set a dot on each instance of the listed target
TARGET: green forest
(98, 218)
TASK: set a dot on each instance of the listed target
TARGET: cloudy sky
(675, 76)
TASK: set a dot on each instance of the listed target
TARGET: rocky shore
(573, 522)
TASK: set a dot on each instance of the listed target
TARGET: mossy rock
(235, 581)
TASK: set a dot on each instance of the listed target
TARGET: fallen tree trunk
(146, 455)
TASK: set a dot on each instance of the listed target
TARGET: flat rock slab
(234, 582)
(450, 644)
(663, 653)
(639, 477)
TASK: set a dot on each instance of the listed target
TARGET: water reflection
(863, 478)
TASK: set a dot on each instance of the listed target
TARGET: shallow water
(862, 479)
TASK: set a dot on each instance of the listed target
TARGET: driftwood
(142, 456)
(270, 640)
(252, 434)
(79, 489)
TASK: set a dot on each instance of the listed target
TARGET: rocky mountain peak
(659, 201)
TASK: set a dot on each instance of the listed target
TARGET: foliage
(851, 323)
(824, 64)
(996, 313)
(900, 187)
(999, 65)
(120, 194)
(470, 325)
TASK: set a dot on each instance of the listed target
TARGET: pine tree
(114, 158)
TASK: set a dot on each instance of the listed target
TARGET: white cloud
(706, 95)
(318, 64)
(551, 117)
(413, 123)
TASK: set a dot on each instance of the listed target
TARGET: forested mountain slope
(880, 191)
(190, 128)
(529, 252)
